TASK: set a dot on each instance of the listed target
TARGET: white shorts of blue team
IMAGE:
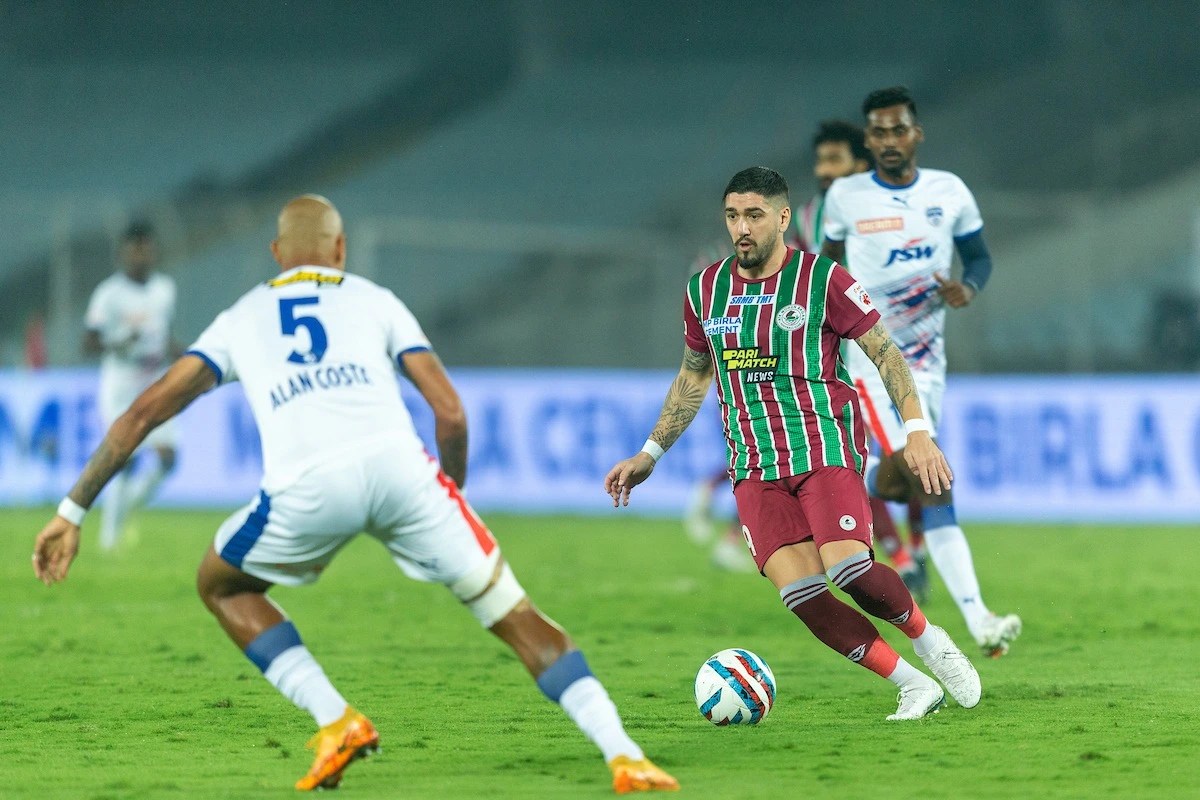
(882, 418)
(291, 535)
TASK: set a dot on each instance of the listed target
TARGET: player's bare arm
(426, 372)
(834, 250)
(682, 403)
(920, 452)
(187, 379)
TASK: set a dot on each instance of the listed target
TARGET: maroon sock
(838, 625)
(879, 591)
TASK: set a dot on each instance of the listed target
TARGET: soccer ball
(735, 687)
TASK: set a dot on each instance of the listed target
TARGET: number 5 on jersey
(289, 323)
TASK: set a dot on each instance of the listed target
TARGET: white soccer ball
(735, 687)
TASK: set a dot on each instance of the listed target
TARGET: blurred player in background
(128, 325)
(896, 229)
(769, 322)
(316, 351)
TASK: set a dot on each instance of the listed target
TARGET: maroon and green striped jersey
(786, 397)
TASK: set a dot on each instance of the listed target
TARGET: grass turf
(117, 684)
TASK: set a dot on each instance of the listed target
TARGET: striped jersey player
(768, 324)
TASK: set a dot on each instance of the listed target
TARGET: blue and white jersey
(897, 239)
(316, 351)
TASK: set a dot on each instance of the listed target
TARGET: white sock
(586, 702)
(951, 555)
(298, 676)
(144, 488)
(906, 674)
(923, 645)
(114, 510)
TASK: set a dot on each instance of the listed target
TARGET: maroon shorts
(828, 504)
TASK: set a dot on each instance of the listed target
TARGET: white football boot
(954, 670)
(997, 633)
(919, 699)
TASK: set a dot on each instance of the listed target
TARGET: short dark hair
(838, 130)
(886, 98)
(760, 180)
(137, 230)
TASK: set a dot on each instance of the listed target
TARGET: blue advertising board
(1022, 447)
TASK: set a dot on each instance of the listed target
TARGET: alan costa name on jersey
(340, 376)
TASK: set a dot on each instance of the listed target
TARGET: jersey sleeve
(214, 347)
(693, 331)
(96, 317)
(404, 334)
(834, 220)
(969, 221)
(848, 308)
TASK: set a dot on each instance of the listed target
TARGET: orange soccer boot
(337, 744)
(639, 776)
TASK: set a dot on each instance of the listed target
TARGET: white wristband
(652, 449)
(914, 425)
(71, 511)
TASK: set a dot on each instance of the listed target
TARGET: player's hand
(625, 475)
(956, 293)
(54, 550)
(927, 462)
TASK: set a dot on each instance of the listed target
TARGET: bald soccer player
(316, 350)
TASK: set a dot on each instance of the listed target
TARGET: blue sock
(271, 642)
(938, 516)
(569, 668)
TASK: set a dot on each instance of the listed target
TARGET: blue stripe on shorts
(239, 544)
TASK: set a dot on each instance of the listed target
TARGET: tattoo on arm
(107, 461)
(897, 378)
(684, 398)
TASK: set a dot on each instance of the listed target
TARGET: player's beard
(757, 255)
(896, 169)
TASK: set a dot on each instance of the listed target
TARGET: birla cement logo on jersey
(912, 250)
(879, 225)
(755, 366)
(719, 326)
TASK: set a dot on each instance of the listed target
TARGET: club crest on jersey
(912, 250)
(791, 317)
(755, 366)
(752, 299)
(718, 326)
(934, 215)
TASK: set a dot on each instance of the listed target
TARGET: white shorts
(413, 509)
(884, 420)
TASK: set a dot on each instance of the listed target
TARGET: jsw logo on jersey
(911, 251)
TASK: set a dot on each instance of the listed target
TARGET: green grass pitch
(117, 684)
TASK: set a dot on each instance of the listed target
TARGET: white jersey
(124, 311)
(316, 350)
(897, 238)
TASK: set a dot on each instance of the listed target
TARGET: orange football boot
(639, 776)
(337, 744)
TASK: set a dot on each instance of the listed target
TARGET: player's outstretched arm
(187, 379)
(425, 370)
(922, 454)
(684, 399)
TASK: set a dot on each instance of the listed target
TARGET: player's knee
(490, 591)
